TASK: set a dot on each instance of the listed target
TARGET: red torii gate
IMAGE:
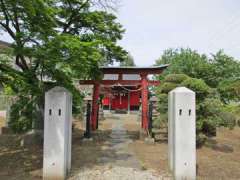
(144, 83)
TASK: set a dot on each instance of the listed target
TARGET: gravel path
(117, 173)
(121, 164)
(118, 143)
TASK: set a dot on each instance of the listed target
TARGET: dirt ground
(25, 163)
(218, 159)
(16, 162)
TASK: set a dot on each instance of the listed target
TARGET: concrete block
(57, 134)
(182, 133)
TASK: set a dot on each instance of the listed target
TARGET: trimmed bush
(167, 87)
(208, 106)
(197, 85)
(229, 90)
(176, 78)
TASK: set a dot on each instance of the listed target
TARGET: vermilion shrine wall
(119, 101)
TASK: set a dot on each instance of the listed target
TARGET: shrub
(162, 102)
(229, 90)
(160, 122)
(228, 119)
(209, 107)
(197, 85)
(176, 78)
(22, 115)
(167, 86)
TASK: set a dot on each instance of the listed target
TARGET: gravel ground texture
(117, 173)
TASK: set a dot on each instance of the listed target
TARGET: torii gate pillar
(95, 105)
(144, 83)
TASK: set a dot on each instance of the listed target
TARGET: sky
(152, 26)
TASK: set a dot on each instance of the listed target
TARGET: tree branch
(23, 61)
(17, 26)
(8, 29)
(7, 15)
(4, 9)
(18, 63)
(73, 14)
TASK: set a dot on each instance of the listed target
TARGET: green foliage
(209, 115)
(55, 42)
(212, 69)
(224, 67)
(234, 111)
(209, 107)
(176, 78)
(197, 85)
(167, 87)
(229, 90)
(22, 114)
(163, 99)
(169, 83)
(161, 121)
(129, 61)
(215, 79)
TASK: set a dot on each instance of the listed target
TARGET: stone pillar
(57, 134)
(170, 130)
(95, 105)
(129, 98)
(182, 133)
(110, 103)
(101, 114)
(144, 83)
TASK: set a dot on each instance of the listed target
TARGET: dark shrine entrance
(123, 88)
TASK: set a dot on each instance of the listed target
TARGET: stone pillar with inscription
(182, 133)
(57, 134)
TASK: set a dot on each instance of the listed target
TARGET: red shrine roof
(133, 70)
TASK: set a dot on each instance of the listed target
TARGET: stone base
(34, 137)
(87, 139)
(102, 118)
(149, 140)
(143, 134)
(5, 130)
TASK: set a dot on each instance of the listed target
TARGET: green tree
(229, 90)
(224, 68)
(185, 61)
(55, 41)
(129, 61)
(212, 70)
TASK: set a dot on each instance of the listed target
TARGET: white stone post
(57, 134)
(182, 133)
(170, 131)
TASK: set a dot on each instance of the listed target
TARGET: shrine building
(123, 89)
